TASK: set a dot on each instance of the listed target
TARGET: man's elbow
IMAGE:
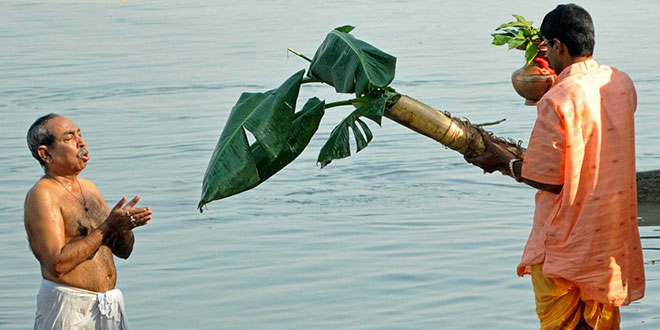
(121, 249)
(58, 270)
(123, 254)
(122, 246)
(59, 267)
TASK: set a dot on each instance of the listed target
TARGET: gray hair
(38, 135)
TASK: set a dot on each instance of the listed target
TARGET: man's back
(584, 139)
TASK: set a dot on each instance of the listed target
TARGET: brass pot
(532, 81)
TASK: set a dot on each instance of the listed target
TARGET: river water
(404, 234)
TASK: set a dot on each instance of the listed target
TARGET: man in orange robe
(584, 251)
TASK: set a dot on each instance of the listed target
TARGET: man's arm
(494, 159)
(45, 227)
(121, 245)
(517, 170)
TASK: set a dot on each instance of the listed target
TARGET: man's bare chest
(80, 219)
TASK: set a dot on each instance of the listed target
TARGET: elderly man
(74, 234)
(584, 252)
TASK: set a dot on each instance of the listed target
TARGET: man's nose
(81, 142)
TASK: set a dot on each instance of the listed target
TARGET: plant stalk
(339, 104)
(300, 55)
(307, 80)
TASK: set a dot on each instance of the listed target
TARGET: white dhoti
(64, 307)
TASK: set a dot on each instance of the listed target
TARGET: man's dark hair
(38, 135)
(572, 25)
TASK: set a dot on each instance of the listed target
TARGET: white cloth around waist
(64, 307)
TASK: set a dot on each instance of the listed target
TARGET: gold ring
(128, 213)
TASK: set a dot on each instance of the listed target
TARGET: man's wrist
(105, 229)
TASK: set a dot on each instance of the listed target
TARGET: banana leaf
(268, 116)
(338, 146)
(305, 124)
(351, 65)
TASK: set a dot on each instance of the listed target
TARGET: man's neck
(574, 60)
(68, 179)
(579, 59)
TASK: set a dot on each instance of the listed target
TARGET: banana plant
(350, 66)
(281, 134)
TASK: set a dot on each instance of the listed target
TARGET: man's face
(557, 55)
(68, 154)
(551, 54)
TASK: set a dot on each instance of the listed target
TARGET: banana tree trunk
(465, 137)
(454, 133)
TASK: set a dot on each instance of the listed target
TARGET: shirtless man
(73, 233)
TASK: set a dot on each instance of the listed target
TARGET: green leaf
(345, 28)
(516, 41)
(530, 52)
(512, 25)
(351, 65)
(500, 39)
(268, 116)
(338, 145)
(305, 124)
(523, 21)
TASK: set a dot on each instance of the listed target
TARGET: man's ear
(561, 47)
(44, 154)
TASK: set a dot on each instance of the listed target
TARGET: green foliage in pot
(520, 34)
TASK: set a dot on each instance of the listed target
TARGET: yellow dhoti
(561, 305)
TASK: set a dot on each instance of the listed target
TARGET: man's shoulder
(89, 185)
(574, 87)
(557, 97)
(620, 75)
(606, 74)
(41, 199)
(43, 191)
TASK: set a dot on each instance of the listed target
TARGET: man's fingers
(120, 203)
(133, 201)
(143, 219)
(143, 211)
(142, 214)
(487, 139)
